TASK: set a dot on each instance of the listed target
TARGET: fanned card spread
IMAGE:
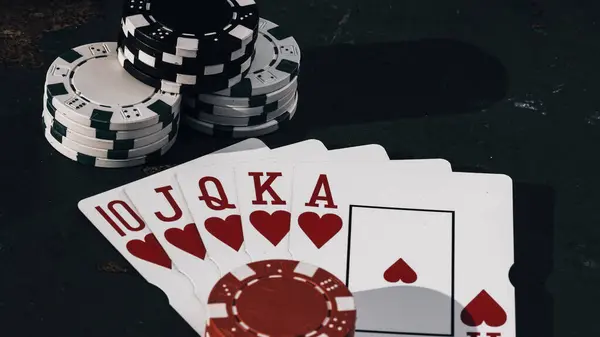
(391, 247)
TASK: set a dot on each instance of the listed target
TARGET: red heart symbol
(149, 250)
(319, 229)
(187, 239)
(228, 231)
(273, 227)
(400, 271)
(483, 309)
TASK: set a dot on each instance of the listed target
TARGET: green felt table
(494, 86)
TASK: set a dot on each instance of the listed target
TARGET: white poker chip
(112, 154)
(242, 131)
(103, 162)
(244, 121)
(116, 136)
(249, 102)
(88, 84)
(251, 116)
(125, 144)
(276, 63)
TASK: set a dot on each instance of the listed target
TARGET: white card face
(210, 194)
(160, 203)
(114, 215)
(428, 254)
(404, 247)
(264, 190)
(319, 228)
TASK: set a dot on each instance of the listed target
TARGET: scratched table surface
(492, 86)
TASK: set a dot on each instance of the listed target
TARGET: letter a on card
(319, 222)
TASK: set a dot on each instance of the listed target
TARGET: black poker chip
(173, 26)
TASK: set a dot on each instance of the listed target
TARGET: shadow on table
(534, 237)
(348, 84)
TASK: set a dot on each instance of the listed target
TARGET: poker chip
(242, 131)
(179, 27)
(261, 116)
(251, 101)
(87, 84)
(125, 144)
(168, 71)
(105, 134)
(220, 69)
(276, 63)
(242, 121)
(112, 154)
(103, 162)
(233, 111)
(220, 72)
(205, 63)
(280, 298)
(179, 88)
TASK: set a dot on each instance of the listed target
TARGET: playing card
(264, 191)
(318, 234)
(427, 254)
(160, 203)
(211, 197)
(369, 152)
(113, 214)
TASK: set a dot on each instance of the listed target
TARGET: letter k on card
(264, 191)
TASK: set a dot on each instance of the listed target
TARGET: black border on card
(452, 309)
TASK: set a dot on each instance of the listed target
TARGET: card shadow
(353, 84)
(534, 237)
(390, 311)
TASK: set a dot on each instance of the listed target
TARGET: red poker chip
(280, 298)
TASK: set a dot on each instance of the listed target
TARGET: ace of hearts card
(424, 254)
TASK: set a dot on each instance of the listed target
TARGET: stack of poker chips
(237, 74)
(96, 114)
(265, 99)
(117, 104)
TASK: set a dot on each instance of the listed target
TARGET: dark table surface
(492, 86)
